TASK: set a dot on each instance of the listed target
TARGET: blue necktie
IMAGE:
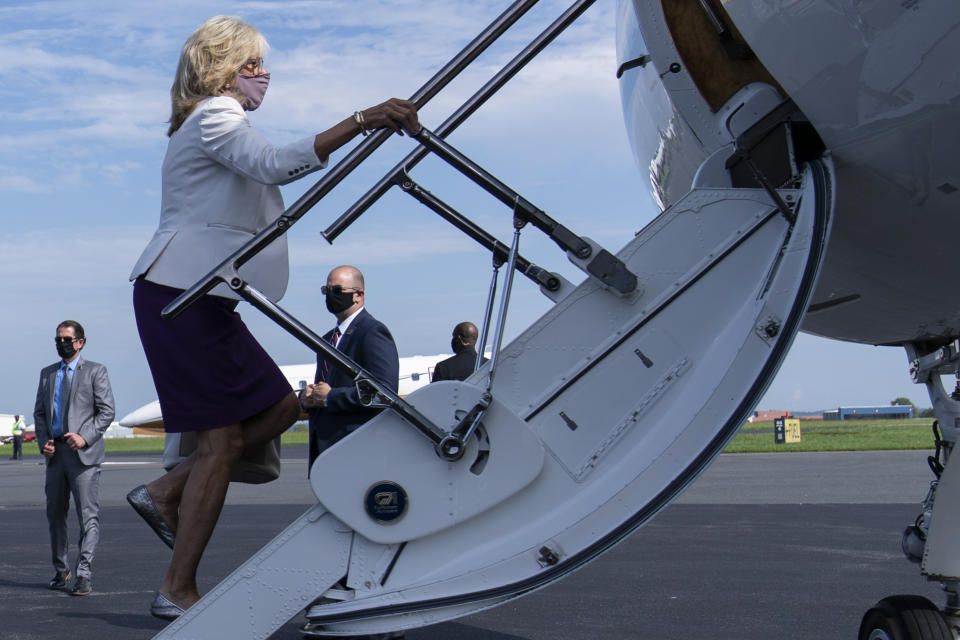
(60, 401)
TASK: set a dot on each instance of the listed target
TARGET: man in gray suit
(74, 407)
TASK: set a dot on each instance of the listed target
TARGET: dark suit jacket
(89, 411)
(367, 342)
(459, 367)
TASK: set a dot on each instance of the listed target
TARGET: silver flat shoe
(144, 505)
(162, 608)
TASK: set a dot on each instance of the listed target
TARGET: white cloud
(90, 79)
(91, 257)
(11, 182)
(385, 246)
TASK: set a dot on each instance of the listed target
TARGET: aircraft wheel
(904, 618)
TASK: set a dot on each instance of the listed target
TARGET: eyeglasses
(337, 290)
(64, 339)
(253, 65)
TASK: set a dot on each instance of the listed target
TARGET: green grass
(142, 445)
(857, 435)
(755, 437)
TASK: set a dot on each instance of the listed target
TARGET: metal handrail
(228, 270)
(449, 444)
(467, 109)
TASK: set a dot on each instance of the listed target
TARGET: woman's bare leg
(202, 500)
(270, 423)
(167, 490)
(204, 489)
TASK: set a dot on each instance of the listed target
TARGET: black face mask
(339, 302)
(65, 350)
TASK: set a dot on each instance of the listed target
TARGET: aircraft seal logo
(386, 502)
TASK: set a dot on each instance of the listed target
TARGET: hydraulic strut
(542, 277)
(452, 446)
(603, 265)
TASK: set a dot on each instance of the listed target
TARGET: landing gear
(904, 618)
(931, 541)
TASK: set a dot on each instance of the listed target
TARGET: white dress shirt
(346, 323)
(219, 189)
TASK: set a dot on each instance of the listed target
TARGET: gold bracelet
(358, 118)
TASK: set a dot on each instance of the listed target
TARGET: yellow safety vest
(18, 428)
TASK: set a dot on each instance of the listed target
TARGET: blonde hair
(209, 62)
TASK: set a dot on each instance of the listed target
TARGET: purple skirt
(208, 369)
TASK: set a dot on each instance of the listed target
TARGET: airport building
(891, 412)
(770, 415)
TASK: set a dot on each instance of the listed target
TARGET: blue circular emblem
(386, 502)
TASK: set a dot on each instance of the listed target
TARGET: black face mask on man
(65, 349)
(338, 302)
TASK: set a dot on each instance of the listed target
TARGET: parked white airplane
(804, 156)
(415, 372)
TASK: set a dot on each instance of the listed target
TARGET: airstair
(464, 495)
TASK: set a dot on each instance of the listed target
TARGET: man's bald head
(465, 336)
(346, 276)
(349, 281)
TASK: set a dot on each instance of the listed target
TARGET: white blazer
(220, 188)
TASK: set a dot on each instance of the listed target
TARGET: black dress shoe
(143, 504)
(60, 580)
(81, 587)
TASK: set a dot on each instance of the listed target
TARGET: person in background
(464, 345)
(219, 188)
(17, 438)
(73, 409)
(333, 402)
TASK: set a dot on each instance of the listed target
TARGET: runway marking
(57, 593)
(132, 462)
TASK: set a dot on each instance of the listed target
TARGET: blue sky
(84, 104)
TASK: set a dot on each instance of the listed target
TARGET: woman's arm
(396, 114)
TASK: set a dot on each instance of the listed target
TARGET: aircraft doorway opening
(716, 56)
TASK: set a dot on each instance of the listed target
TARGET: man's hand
(48, 449)
(314, 395)
(75, 440)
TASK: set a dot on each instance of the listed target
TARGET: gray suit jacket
(90, 409)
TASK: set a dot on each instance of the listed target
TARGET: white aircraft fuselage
(878, 82)
(722, 93)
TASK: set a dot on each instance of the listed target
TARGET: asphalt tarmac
(761, 546)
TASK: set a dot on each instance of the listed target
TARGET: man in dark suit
(74, 407)
(464, 345)
(332, 401)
